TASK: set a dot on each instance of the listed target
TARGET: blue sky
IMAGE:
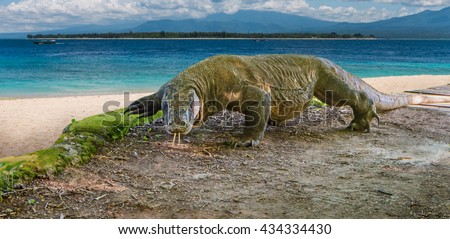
(40, 15)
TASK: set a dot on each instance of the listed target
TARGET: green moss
(316, 102)
(7, 175)
(79, 142)
(26, 167)
(111, 125)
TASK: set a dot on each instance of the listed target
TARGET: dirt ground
(315, 169)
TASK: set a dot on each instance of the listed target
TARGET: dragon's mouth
(178, 134)
(184, 128)
(178, 130)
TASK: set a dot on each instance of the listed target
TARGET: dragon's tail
(384, 102)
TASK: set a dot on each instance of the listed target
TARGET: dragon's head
(181, 107)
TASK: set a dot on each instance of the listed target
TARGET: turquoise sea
(75, 67)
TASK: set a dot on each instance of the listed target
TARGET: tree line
(164, 34)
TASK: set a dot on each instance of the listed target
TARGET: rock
(344, 177)
(404, 158)
(134, 154)
(201, 176)
(72, 152)
(167, 185)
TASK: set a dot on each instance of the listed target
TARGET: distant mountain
(118, 27)
(241, 21)
(192, 25)
(273, 21)
(427, 24)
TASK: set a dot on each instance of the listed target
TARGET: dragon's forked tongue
(175, 137)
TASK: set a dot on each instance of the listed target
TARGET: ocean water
(76, 67)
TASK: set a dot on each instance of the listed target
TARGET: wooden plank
(442, 105)
(445, 110)
(439, 90)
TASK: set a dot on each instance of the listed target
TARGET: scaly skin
(265, 88)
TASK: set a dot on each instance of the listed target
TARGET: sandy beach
(398, 84)
(31, 124)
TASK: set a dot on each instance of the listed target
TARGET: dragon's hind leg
(335, 91)
(361, 121)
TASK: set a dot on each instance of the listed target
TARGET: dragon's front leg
(255, 105)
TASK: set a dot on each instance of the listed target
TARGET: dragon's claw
(361, 122)
(234, 142)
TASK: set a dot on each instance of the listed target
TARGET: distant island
(202, 35)
(261, 24)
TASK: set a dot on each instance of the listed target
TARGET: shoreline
(230, 38)
(82, 94)
(234, 38)
(204, 38)
(33, 123)
(381, 83)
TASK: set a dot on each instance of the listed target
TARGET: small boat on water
(45, 42)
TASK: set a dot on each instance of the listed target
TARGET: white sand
(27, 125)
(398, 84)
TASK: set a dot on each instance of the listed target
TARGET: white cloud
(39, 15)
(42, 15)
(53, 13)
(287, 6)
(351, 14)
(279, 5)
(421, 3)
(338, 13)
(27, 15)
(301, 7)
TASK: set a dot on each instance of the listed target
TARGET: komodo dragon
(265, 88)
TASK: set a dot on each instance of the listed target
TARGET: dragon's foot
(272, 123)
(242, 142)
(362, 121)
(284, 123)
(361, 126)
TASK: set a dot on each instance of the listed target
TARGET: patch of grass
(78, 143)
(7, 176)
(31, 201)
(158, 136)
(318, 103)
